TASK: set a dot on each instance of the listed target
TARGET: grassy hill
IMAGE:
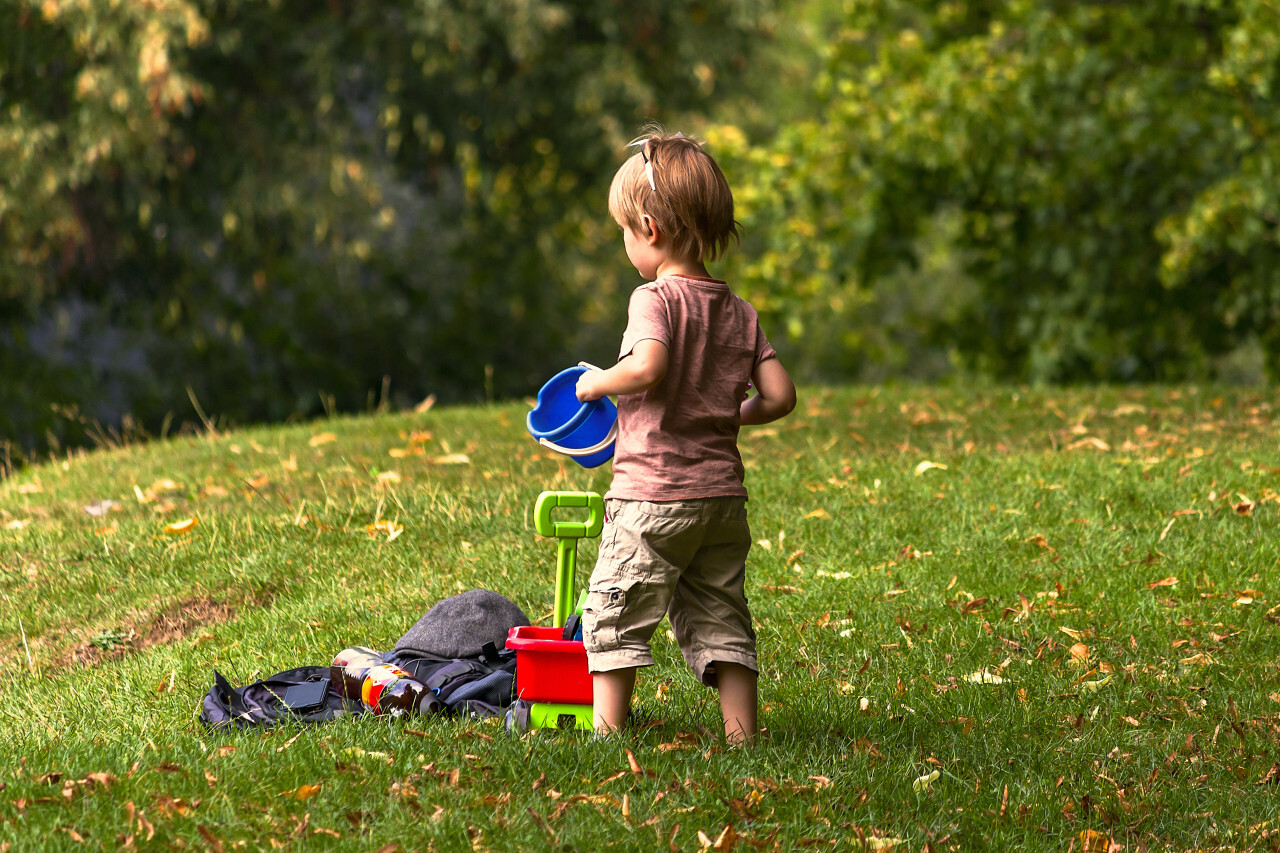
(989, 618)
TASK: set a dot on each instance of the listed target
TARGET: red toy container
(549, 669)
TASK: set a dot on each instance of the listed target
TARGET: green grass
(1118, 706)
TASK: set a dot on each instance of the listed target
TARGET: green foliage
(1110, 165)
(267, 202)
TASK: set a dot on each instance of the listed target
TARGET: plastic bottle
(388, 689)
(350, 666)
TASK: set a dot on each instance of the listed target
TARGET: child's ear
(651, 230)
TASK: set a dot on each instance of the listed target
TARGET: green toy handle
(568, 533)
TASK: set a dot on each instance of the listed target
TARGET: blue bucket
(583, 431)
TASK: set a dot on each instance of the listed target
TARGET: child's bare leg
(611, 698)
(737, 685)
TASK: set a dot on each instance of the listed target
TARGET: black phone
(304, 698)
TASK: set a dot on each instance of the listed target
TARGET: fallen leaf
(390, 528)
(322, 438)
(101, 508)
(453, 459)
(1200, 659)
(1095, 686)
(179, 527)
(1169, 581)
(302, 792)
(30, 489)
(818, 513)
(209, 838)
(926, 465)
(921, 784)
(1072, 633)
(1092, 841)
(388, 478)
(725, 840)
(1091, 443)
(982, 676)
(1079, 652)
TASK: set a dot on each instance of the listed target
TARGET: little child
(676, 540)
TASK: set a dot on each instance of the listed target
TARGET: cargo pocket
(600, 617)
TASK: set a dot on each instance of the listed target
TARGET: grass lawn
(988, 618)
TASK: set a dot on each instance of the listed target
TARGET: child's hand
(586, 388)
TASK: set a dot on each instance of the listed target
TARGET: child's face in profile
(642, 254)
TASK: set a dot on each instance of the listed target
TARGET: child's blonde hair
(681, 188)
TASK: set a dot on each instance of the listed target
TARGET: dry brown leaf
(635, 765)
(725, 840)
(209, 838)
(1169, 581)
(322, 438)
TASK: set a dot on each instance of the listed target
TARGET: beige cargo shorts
(683, 559)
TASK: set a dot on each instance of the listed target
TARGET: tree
(1100, 170)
(266, 202)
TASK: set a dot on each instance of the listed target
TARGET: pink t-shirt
(679, 439)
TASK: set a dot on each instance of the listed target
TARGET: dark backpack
(300, 695)
(471, 687)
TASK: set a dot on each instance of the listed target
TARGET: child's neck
(682, 266)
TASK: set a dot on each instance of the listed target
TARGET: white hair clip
(648, 164)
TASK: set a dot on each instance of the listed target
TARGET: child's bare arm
(641, 370)
(775, 394)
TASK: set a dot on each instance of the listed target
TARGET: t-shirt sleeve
(764, 349)
(647, 317)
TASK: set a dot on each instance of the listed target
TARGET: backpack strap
(448, 672)
(499, 680)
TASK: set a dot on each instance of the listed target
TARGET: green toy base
(524, 716)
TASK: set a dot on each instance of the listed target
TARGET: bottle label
(379, 679)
